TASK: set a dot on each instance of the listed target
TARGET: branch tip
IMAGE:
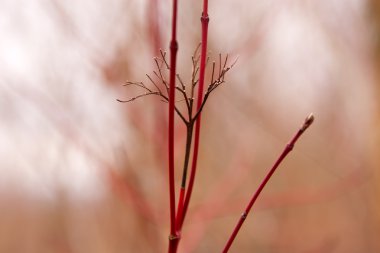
(308, 121)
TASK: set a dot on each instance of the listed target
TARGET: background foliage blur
(80, 172)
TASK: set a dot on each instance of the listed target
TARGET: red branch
(173, 237)
(309, 120)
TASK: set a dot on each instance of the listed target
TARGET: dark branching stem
(189, 137)
(289, 147)
(215, 82)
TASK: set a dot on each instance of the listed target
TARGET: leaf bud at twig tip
(308, 121)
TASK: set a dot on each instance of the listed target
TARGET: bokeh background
(81, 172)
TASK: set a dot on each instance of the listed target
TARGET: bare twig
(289, 147)
(173, 236)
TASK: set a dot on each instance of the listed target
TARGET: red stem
(204, 21)
(309, 120)
(173, 237)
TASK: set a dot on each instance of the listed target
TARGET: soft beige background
(80, 172)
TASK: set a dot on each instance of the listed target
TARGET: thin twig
(163, 55)
(173, 236)
(139, 96)
(289, 147)
(154, 83)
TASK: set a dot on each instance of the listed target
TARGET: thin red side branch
(309, 120)
(204, 22)
(173, 237)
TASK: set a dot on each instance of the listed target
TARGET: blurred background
(81, 172)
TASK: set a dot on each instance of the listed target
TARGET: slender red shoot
(308, 121)
(173, 237)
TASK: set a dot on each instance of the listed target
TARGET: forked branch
(161, 88)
